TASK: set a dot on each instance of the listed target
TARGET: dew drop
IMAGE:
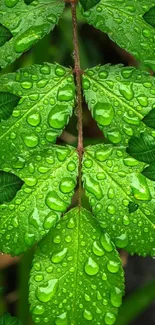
(57, 257)
(97, 250)
(110, 318)
(116, 297)
(113, 266)
(126, 91)
(10, 3)
(61, 319)
(91, 267)
(34, 119)
(30, 37)
(38, 310)
(121, 241)
(46, 292)
(93, 187)
(87, 315)
(66, 93)
(57, 118)
(140, 188)
(54, 202)
(67, 184)
(104, 153)
(106, 242)
(26, 84)
(103, 113)
(31, 140)
(50, 220)
(60, 71)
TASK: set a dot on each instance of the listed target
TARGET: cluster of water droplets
(81, 278)
(27, 24)
(121, 197)
(49, 182)
(120, 21)
(46, 100)
(119, 97)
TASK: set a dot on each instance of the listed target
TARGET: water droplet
(91, 267)
(110, 318)
(93, 187)
(61, 319)
(104, 153)
(143, 100)
(38, 310)
(126, 91)
(10, 3)
(67, 184)
(62, 153)
(57, 257)
(54, 202)
(111, 209)
(106, 242)
(85, 84)
(114, 135)
(31, 140)
(45, 69)
(87, 315)
(116, 297)
(121, 241)
(30, 37)
(140, 188)
(88, 163)
(103, 113)
(60, 71)
(103, 74)
(97, 250)
(129, 161)
(30, 181)
(87, 297)
(26, 84)
(146, 33)
(71, 223)
(113, 266)
(66, 93)
(127, 72)
(57, 117)
(71, 166)
(50, 220)
(46, 292)
(34, 119)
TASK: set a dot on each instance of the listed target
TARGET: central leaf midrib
(129, 107)
(37, 103)
(122, 189)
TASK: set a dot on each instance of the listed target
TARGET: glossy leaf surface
(5, 35)
(77, 276)
(122, 199)
(9, 185)
(124, 23)
(142, 148)
(50, 178)
(7, 103)
(47, 97)
(6, 319)
(27, 24)
(119, 98)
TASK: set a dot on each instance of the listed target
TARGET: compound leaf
(126, 24)
(119, 98)
(27, 24)
(6, 319)
(46, 94)
(122, 199)
(79, 272)
(49, 180)
(9, 185)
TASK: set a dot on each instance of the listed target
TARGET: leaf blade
(49, 183)
(113, 181)
(117, 93)
(75, 224)
(118, 18)
(28, 24)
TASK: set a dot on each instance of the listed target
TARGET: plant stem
(78, 72)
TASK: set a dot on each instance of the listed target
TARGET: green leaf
(50, 178)
(119, 98)
(77, 277)
(9, 185)
(7, 103)
(113, 183)
(6, 319)
(149, 172)
(124, 23)
(88, 4)
(27, 24)
(149, 119)
(149, 16)
(5, 35)
(142, 148)
(47, 95)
